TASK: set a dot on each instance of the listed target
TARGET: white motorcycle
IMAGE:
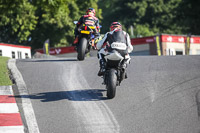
(115, 70)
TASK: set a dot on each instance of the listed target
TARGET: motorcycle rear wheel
(82, 49)
(111, 83)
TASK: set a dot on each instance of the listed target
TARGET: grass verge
(4, 73)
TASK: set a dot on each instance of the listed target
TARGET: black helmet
(115, 25)
(91, 10)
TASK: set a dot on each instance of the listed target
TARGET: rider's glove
(98, 39)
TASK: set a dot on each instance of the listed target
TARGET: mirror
(75, 22)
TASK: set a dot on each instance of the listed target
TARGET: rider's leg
(102, 63)
(96, 34)
(125, 64)
(76, 36)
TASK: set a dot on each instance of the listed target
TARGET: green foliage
(17, 19)
(56, 20)
(31, 22)
(188, 16)
(4, 73)
(150, 17)
(143, 30)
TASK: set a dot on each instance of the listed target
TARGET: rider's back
(117, 36)
(90, 20)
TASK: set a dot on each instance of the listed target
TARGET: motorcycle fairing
(114, 55)
(85, 32)
(112, 63)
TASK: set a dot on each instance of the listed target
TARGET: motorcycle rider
(88, 19)
(116, 34)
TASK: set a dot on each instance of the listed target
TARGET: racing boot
(124, 66)
(75, 41)
(102, 68)
(126, 75)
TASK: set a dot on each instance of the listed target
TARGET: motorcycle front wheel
(111, 83)
(82, 49)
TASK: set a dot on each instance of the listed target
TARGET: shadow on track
(76, 95)
(48, 60)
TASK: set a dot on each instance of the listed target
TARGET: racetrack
(161, 94)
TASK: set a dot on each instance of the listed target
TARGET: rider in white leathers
(115, 35)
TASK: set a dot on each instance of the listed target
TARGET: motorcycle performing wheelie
(86, 40)
(86, 32)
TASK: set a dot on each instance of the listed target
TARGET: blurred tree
(31, 22)
(188, 16)
(161, 14)
(150, 16)
(56, 20)
(17, 20)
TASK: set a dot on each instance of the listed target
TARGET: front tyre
(111, 83)
(82, 49)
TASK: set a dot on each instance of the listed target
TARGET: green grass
(4, 73)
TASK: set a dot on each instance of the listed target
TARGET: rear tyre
(111, 83)
(82, 49)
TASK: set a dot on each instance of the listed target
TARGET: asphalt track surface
(161, 95)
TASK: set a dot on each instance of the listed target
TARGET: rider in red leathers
(90, 20)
